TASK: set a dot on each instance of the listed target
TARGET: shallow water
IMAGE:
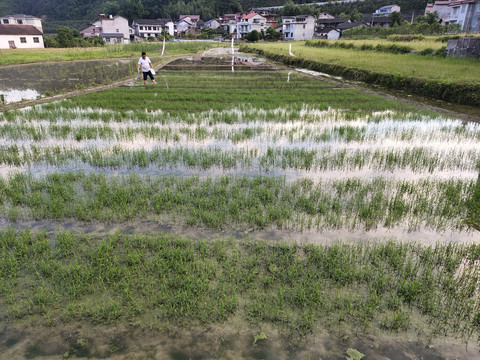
(27, 82)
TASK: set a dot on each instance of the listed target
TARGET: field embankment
(452, 80)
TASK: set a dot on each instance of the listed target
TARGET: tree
(271, 34)
(253, 36)
(111, 8)
(395, 18)
(132, 9)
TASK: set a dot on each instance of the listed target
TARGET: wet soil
(77, 341)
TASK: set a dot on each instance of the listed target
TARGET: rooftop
(19, 30)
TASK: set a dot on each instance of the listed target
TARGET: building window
(463, 8)
(304, 26)
(149, 28)
(117, 30)
(36, 40)
(141, 27)
(20, 22)
(5, 21)
(23, 40)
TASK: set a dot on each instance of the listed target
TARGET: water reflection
(28, 82)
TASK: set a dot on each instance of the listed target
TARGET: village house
(192, 19)
(300, 27)
(229, 22)
(250, 22)
(466, 13)
(112, 29)
(144, 28)
(21, 31)
(387, 10)
(212, 24)
(326, 23)
(22, 19)
(328, 34)
(20, 37)
(372, 20)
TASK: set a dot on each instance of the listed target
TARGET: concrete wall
(4, 39)
(463, 47)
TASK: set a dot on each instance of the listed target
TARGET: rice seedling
(122, 279)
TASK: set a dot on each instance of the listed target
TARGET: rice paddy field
(238, 210)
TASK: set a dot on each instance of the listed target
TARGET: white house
(152, 27)
(328, 34)
(20, 37)
(466, 13)
(113, 30)
(22, 19)
(250, 22)
(300, 27)
(387, 10)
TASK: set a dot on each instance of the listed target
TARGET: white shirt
(145, 64)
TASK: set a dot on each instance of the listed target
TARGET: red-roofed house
(250, 22)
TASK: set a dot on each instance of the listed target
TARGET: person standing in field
(145, 63)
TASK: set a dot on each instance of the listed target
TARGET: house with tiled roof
(441, 7)
(249, 22)
(20, 37)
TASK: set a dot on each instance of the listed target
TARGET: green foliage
(69, 38)
(253, 36)
(395, 18)
(272, 35)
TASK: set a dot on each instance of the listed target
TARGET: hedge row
(457, 92)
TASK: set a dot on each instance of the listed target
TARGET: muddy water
(31, 81)
(235, 343)
(400, 233)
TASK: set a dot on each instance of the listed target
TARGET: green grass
(24, 56)
(432, 68)
(154, 281)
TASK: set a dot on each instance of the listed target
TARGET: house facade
(300, 27)
(229, 22)
(112, 29)
(22, 19)
(466, 13)
(250, 22)
(20, 37)
(144, 28)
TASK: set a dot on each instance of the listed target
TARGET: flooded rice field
(235, 210)
(28, 82)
